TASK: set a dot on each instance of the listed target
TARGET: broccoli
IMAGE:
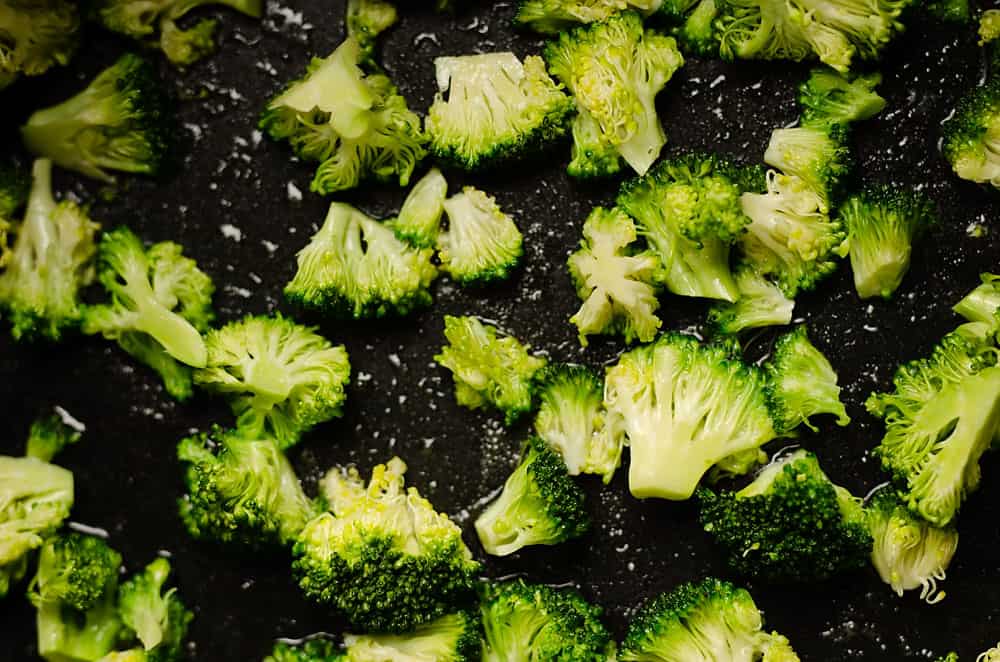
(449, 638)
(157, 619)
(355, 126)
(35, 36)
(971, 137)
(941, 417)
(481, 245)
(790, 524)
(525, 621)
(313, 650)
(488, 369)
(882, 224)
(617, 282)
(950, 11)
(829, 98)
(419, 219)
(131, 655)
(614, 69)
(802, 383)
(685, 407)
(816, 154)
(355, 267)
(539, 505)
(143, 20)
(497, 109)
(119, 122)
(696, 20)
(74, 591)
(15, 188)
(950, 657)
(760, 303)
(989, 26)
(908, 553)
(592, 155)
(982, 303)
(554, 16)
(49, 435)
(383, 555)
(688, 209)
(241, 491)
(366, 20)
(281, 378)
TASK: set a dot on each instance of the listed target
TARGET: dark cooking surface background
(234, 207)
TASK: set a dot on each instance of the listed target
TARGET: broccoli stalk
(156, 618)
(50, 434)
(450, 638)
(971, 137)
(482, 245)
(419, 219)
(760, 303)
(982, 303)
(829, 98)
(35, 36)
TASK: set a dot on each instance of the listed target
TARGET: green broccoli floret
(829, 98)
(525, 621)
(450, 638)
(909, 553)
(132, 655)
(35, 36)
(707, 620)
(950, 657)
(74, 591)
(971, 138)
(51, 260)
(617, 282)
(940, 418)
(366, 20)
(553, 16)
(802, 383)
(496, 109)
(982, 303)
(790, 524)
(592, 155)
(615, 68)
(685, 407)
(817, 154)
(383, 555)
(157, 619)
(539, 505)
(989, 26)
(760, 303)
(49, 435)
(119, 122)
(951, 11)
(355, 267)
(488, 369)
(882, 224)
(419, 219)
(697, 33)
(314, 650)
(355, 126)
(482, 245)
(143, 20)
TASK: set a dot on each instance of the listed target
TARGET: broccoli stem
(641, 150)
(37, 225)
(269, 380)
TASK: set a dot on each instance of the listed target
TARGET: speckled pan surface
(242, 208)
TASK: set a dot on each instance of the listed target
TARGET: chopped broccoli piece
(572, 420)
(482, 244)
(157, 619)
(615, 68)
(989, 26)
(539, 505)
(710, 620)
(829, 98)
(450, 638)
(909, 553)
(119, 122)
(314, 650)
(355, 267)
(241, 491)
(802, 383)
(525, 621)
(142, 21)
(366, 20)
(951, 11)
(50, 262)
(15, 188)
(941, 417)
(760, 303)
(882, 224)
(553, 16)
(592, 156)
(685, 407)
(697, 33)
(818, 155)
(982, 303)
(487, 369)
(497, 109)
(355, 126)
(49, 435)
(790, 524)
(972, 136)
(617, 282)
(950, 657)
(419, 219)
(281, 378)
(131, 655)
(383, 555)
(35, 36)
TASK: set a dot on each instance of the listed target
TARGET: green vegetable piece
(450, 638)
(554, 16)
(829, 98)
(482, 245)
(36, 37)
(971, 137)
(982, 303)
(366, 20)
(50, 434)
(818, 155)
(760, 303)
(802, 383)
(314, 650)
(419, 219)
(158, 619)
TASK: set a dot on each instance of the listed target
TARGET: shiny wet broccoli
(983, 302)
(419, 219)
(971, 137)
(760, 303)
(156, 618)
(481, 244)
(828, 97)
(36, 36)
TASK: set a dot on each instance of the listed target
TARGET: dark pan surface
(234, 206)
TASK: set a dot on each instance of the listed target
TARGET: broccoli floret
(157, 619)
(908, 553)
(802, 383)
(685, 407)
(383, 555)
(49, 435)
(355, 126)
(482, 244)
(488, 369)
(816, 154)
(829, 98)
(765, 30)
(119, 122)
(314, 650)
(971, 138)
(697, 33)
(592, 156)
(615, 68)
(143, 20)
(882, 224)
(241, 491)
(553, 16)
(617, 282)
(951, 11)
(355, 267)
(982, 303)
(419, 219)
(710, 620)
(790, 524)
(760, 303)
(15, 187)
(525, 621)
(497, 109)
(132, 655)
(451, 638)
(366, 20)
(35, 36)
(950, 657)
(989, 26)
(539, 505)
(940, 418)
